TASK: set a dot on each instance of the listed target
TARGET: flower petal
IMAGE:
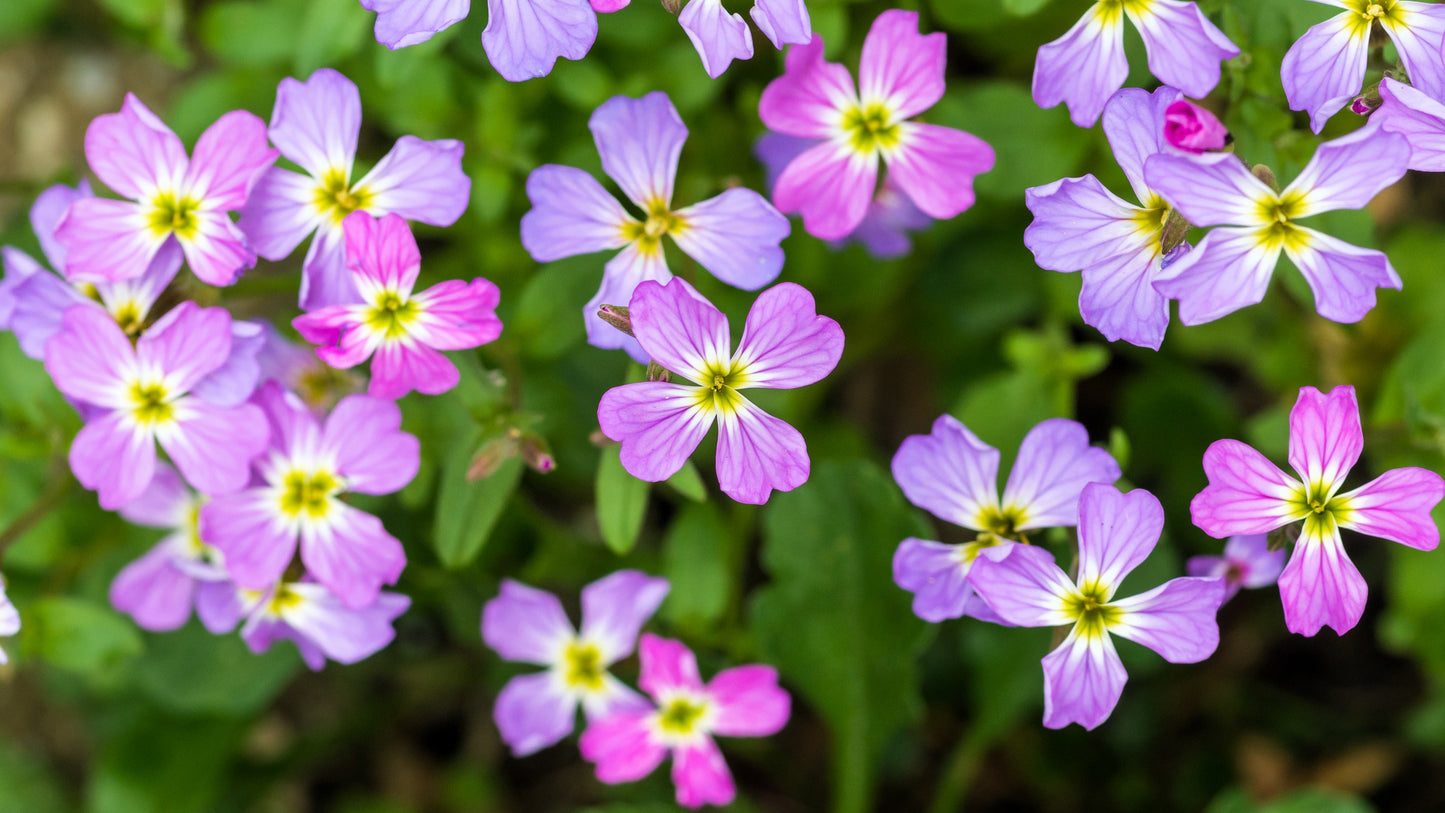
(419, 180)
(1175, 619)
(1419, 118)
(623, 747)
(457, 315)
(235, 380)
(45, 215)
(400, 367)
(326, 280)
(39, 301)
(345, 634)
(809, 99)
(113, 457)
(748, 702)
(783, 22)
(718, 36)
(252, 534)
(280, 212)
(352, 554)
(524, 38)
(935, 166)
(1250, 554)
(1023, 586)
(680, 330)
(937, 576)
(1246, 494)
(615, 607)
(758, 454)
(785, 343)
(1325, 440)
(382, 254)
(1133, 122)
(659, 426)
(91, 360)
(831, 185)
(1117, 532)
(1342, 276)
(217, 253)
(1325, 68)
(133, 152)
(401, 23)
(1396, 506)
(316, 122)
(1418, 41)
(700, 773)
(1229, 269)
(153, 591)
(1083, 680)
(735, 236)
(1054, 463)
(620, 277)
(1321, 587)
(166, 502)
(640, 141)
(667, 665)
(219, 606)
(1210, 190)
(571, 214)
(213, 446)
(533, 712)
(1183, 46)
(525, 624)
(1084, 66)
(1349, 171)
(901, 68)
(186, 345)
(106, 240)
(949, 472)
(371, 451)
(230, 156)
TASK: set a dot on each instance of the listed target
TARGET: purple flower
(295, 498)
(170, 196)
(735, 235)
(891, 216)
(320, 624)
(144, 394)
(405, 331)
(1419, 118)
(1247, 562)
(1247, 494)
(720, 37)
(1081, 226)
(400, 23)
(954, 475)
(1325, 68)
(1231, 267)
(9, 621)
(744, 701)
(1084, 677)
(316, 124)
(900, 75)
(785, 345)
(1191, 128)
(181, 571)
(1085, 66)
(297, 369)
(528, 625)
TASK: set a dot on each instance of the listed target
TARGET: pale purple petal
(91, 360)
(1342, 276)
(400, 23)
(1258, 566)
(114, 457)
(213, 446)
(1214, 567)
(1210, 190)
(598, 704)
(186, 345)
(678, 328)
(1117, 531)
(106, 240)
(1184, 47)
(351, 553)
(1325, 439)
(526, 624)
(623, 747)
(316, 123)
(735, 236)
(419, 180)
(700, 773)
(325, 278)
(219, 606)
(1133, 121)
(1421, 119)
(234, 381)
(783, 22)
(381, 253)
(252, 534)
(640, 141)
(809, 99)
(758, 454)
(166, 502)
(1396, 506)
(218, 253)
(230, 156)
(1054, 463)
(620, 277)
(1023, 586)
(134, 298)
(1246, 494)
(1325, 68)
(19, 267)
(399, 367)
(533, 712)
(1321, 587)
(949, 472)
(935, 166)
(153, 591)
(901, 68)
(1347, 172)
(133, 152)
(371, 452)
(884, 230)
(38, 300)
(1083, 67)
(45, 215)
(659, 426)
(571, 214)
(1175, 619)
(832, 186)
(667, 665)
(937, 576)
(718, 36)
(345, 634)
(615, 607)
(524, 38)
(1418, 41)
(785, 343)
(280, 212)
(1229, 269)
(1083, 680)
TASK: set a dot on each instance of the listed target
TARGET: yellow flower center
(336, 198)
(1002, 523)
(283, 599)
(680, 716)
(722, 394)
(151, 406)
(1091, 611)
(1278, 214)
(170, 214)
(1389, 13)
(308, 493)
(648, 233)
(871, 128)
(1320, 510)
(584, 667)
(391, 314)
(1110, 12)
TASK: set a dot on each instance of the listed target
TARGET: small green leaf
(467, 511)
(238, 681)
(688, 483)
(621, 502)
(80, 636)
(695, 555)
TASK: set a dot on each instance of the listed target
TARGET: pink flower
(1247, 494)
(1247, 562)
(901, 75)
(170, 196)
(786, 344)
(405, 331)
(1191, 128)
(320, 624)
(142, 395)
(744, 701)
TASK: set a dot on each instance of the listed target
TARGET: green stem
(957, 775)
(60, 485)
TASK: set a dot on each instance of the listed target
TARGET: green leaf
(833, 621)
(237, 681)
(467, 511)
(162, 764)
(621, 502)
(688, 483)
(80, 636)
(1024, 8)
(695, 559)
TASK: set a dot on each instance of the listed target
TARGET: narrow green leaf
(621, 502)
(695, 556)
(688, 483)
(467, 511)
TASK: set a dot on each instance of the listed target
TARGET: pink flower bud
(1191, 128)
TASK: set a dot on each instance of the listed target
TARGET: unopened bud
(491, 455)
(535, 454)
(1367, 102)
(656, 372)
(1191, 128)
(674, 7)
(617, 316)
(1286, 535)
(1265, 174)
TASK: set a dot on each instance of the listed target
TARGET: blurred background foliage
(891, 713)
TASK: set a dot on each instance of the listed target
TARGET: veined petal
(785, 343)
(1396, 506)
(735, 236)
(667, 665)
(1084, 66)
(419, 180)
(937, 576)
(1325, 68)
(229, 158)
(701, 775)
(1419, 118)
(325, 278)
(640, 141)
(217, 253)
(1024, 586)
(1175, 619)
(1321, 587)
(1083, 680)
(935, 166)
(400, 23)
(186, 345)
(1250, 554)
(533, 712)
(623, 747)
(399, 367)
(901, 68)
(620, 277)
(138, 295)
(1054, 464)
(1325, 439)
(316, 123)
(91, 360)
(1342, 276)
(615, 607)
(382, 254)
(718, 36)
(114, 457)
(363, 435)
(525, 624)
(345, 340)
(1210, 190)
(106, 240)
(280, 212)
(1133, 122)
(680, 330)
(571, 214)
(1246, 494)
(344, 634)
(524, 38)
(1184, 47)
(153, 591)
(249, 530)
(1347, 172)
(213, 446)
(1418, 40)
(949, 472)
(1229, 269)
(831, 185)
(749, 702)
(351, 553)
(758, 454)
(659, 426)
(809, 99)
(783, 22)
(1117, 532)
(457, 315)
(133, 152)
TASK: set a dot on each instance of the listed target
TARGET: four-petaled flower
(320, 624)
(1247, 494)
(900, 76)
(316, 124)
(1325, 68)
(528, 625)
(785, 345)
(1085, 66)
(405, 331)
(1247, 561)
(720, 37)
(170, 196)
(1231, 267)
(954, 475)
(1420, 118)
(734, 236)
(744, 701)
(1084, 677)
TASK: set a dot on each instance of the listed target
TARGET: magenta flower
(954, 475)
(1231, 267)
(295, 498)
(1418, 117)
(171, 197)
(901, 75)
(720, 37)
(1191, 128)
(629, 744)
(1085, 66)
(405, 331)
(785, 345)
(528, 625)
(320, 624)
(1081, 226)
(144, 394)
(1247, 562)
(159, 589)
(1083, 677)
(316, 124)
(734, 236)
(1247, 494)
(1325, 68)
